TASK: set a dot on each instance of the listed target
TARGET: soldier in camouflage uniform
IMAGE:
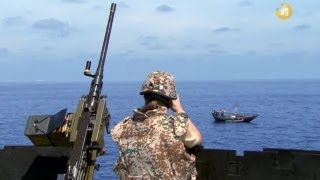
(152, 142)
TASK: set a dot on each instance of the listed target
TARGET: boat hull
(233, 117)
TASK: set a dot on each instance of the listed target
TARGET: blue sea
(288, 112)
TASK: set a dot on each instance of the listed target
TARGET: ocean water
(288, 112)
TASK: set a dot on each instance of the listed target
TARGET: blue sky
(50, 40)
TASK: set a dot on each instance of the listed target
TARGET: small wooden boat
(224, 116)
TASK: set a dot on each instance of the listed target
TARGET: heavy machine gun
(92, 116)
(66, 145)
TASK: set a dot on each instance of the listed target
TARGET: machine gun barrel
(92, 116)
(97, 83)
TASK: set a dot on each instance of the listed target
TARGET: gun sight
(87, 71)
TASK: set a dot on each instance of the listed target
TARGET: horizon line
(133, 81)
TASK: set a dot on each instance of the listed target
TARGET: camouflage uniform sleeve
(181, 124)
(117, 130)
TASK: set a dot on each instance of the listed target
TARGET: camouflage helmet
(160, 82)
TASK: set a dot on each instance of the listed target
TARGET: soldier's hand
(176, 105)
